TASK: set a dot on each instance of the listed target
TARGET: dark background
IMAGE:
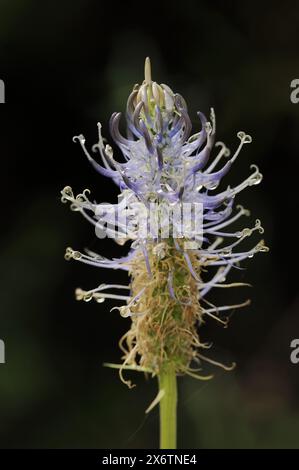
(67, 65)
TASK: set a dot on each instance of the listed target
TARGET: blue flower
(165, 167)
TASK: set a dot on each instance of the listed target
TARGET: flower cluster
(165, 167)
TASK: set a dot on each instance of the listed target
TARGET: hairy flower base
(165, 311)
(163, 331)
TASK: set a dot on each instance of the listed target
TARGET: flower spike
(178, 226)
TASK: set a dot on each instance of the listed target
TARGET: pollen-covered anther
(76, 255)
(244, 211)
(258, 226)
(82, 197)
(261, 247)
(245, 138)
(246, 232)
(72, 254)
(256, 177)
(79, 293)
(67, 194)
(224, 149)
(79, 138)
(124, 311)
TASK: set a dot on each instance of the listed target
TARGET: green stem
(168, 409)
